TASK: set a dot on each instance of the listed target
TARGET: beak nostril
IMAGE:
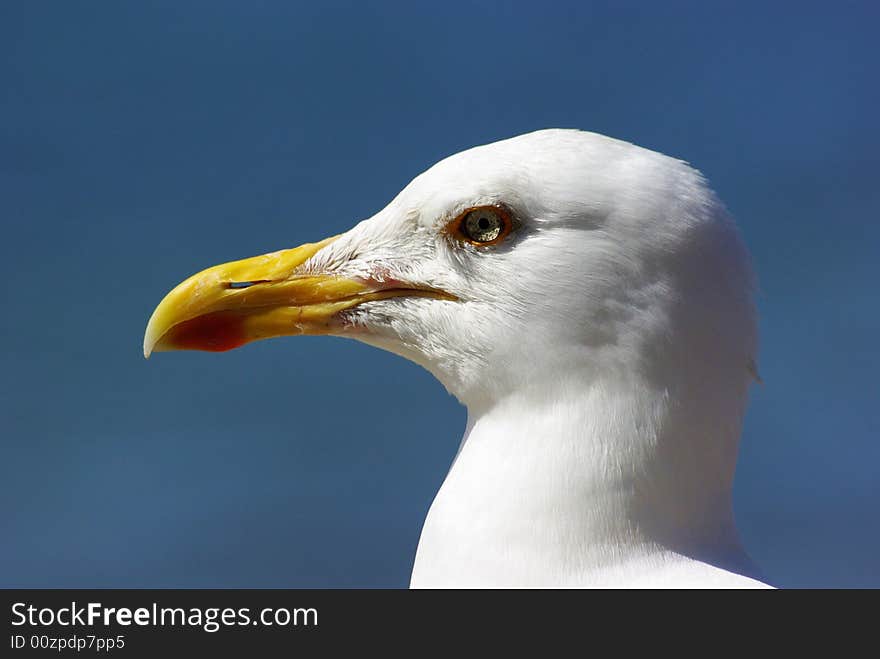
(245, 284)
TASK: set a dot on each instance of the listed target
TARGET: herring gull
(590, 303)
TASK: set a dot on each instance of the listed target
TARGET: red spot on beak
(215, 332)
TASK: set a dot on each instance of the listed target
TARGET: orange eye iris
(484, 225)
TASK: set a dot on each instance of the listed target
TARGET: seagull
(590, 303)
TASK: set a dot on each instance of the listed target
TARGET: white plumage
(603, 351)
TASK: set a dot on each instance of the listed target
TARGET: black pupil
(484, 223)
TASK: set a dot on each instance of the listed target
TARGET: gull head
(553, 255)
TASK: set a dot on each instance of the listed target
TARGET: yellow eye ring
(482, 225)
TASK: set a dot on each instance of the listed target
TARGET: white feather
(603, 352)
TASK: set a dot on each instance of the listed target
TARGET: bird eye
(486, 225)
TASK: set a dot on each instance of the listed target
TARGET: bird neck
(569, 482)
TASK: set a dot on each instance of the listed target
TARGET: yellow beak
(228, 305)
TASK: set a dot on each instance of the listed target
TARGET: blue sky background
(140, 142)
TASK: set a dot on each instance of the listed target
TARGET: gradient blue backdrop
(140, 142)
